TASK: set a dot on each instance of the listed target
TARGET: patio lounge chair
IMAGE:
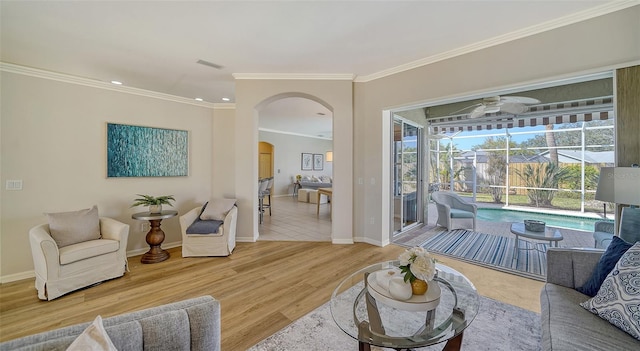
(451, 206)
(629, 228)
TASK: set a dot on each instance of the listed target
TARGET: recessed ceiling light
(199, 99)
(116, 82)
(226, 99)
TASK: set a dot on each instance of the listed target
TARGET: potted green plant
(154, 203)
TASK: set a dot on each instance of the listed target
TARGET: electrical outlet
(144, 227)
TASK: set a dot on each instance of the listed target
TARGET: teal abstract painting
(134, 151)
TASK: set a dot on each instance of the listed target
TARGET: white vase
(155, 209)
(399, 289)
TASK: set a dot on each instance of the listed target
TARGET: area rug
(497, 327)
(492, 251)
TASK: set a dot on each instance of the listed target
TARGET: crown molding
(66, 78)
(294, 134)
(295, 76)
(597, 11)
(224, 106)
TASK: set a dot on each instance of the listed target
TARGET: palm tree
(550, 136)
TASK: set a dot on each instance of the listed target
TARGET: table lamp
(620, 185)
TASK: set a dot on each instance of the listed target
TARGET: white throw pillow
(94, 338)
(217, 209)
(618, 300)
(68, 228)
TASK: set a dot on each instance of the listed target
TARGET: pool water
(552, 220)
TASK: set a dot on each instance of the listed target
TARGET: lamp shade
(620, 185)
(329, 156)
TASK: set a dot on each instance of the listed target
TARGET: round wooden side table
(155, 236)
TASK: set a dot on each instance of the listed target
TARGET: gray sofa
(192, 324)
(565, 324)
(314, 185)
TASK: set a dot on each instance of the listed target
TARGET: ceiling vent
(210, 64)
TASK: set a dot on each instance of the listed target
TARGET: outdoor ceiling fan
(508, 104)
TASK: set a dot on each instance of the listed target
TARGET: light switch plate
(14, 185)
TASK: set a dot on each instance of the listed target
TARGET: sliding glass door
(407, 174)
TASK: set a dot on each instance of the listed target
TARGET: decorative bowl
(534, 226)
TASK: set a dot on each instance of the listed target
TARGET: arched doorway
(295, 124)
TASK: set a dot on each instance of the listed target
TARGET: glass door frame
(419, 182)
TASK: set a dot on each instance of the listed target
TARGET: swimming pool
(552, 220)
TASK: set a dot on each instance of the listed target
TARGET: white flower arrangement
(417, 263)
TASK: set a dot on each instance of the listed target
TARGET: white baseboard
(362, 239)
(17, 276)
(245, 239)
(342, 241)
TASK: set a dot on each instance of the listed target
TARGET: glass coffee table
(552, 235)
(361, 311)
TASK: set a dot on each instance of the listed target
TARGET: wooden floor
(262, 287)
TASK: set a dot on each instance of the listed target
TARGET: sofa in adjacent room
(566, 325)
(192, 324)
(313, 182)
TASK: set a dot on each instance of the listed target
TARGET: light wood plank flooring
(262, 287)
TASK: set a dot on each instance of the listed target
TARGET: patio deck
(417, 236)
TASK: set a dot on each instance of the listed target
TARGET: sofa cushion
(87, 249)
(605, 265)
(94, 338)
(618, 300)
(568, 326)
(68, 228)
(171, 327)
(217, 209)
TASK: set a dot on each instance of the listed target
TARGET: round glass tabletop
(389, 324)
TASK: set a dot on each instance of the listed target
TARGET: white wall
(53, 139)
(287, 150)
(224, 157)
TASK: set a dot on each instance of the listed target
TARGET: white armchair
(451, 206)
(221, 243)
(60, 270)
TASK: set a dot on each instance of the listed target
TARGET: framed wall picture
(307, 162)
(318, 162)
(135, 151)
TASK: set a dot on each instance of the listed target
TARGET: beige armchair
(451, 206)
(60, 270)
(221, 243)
